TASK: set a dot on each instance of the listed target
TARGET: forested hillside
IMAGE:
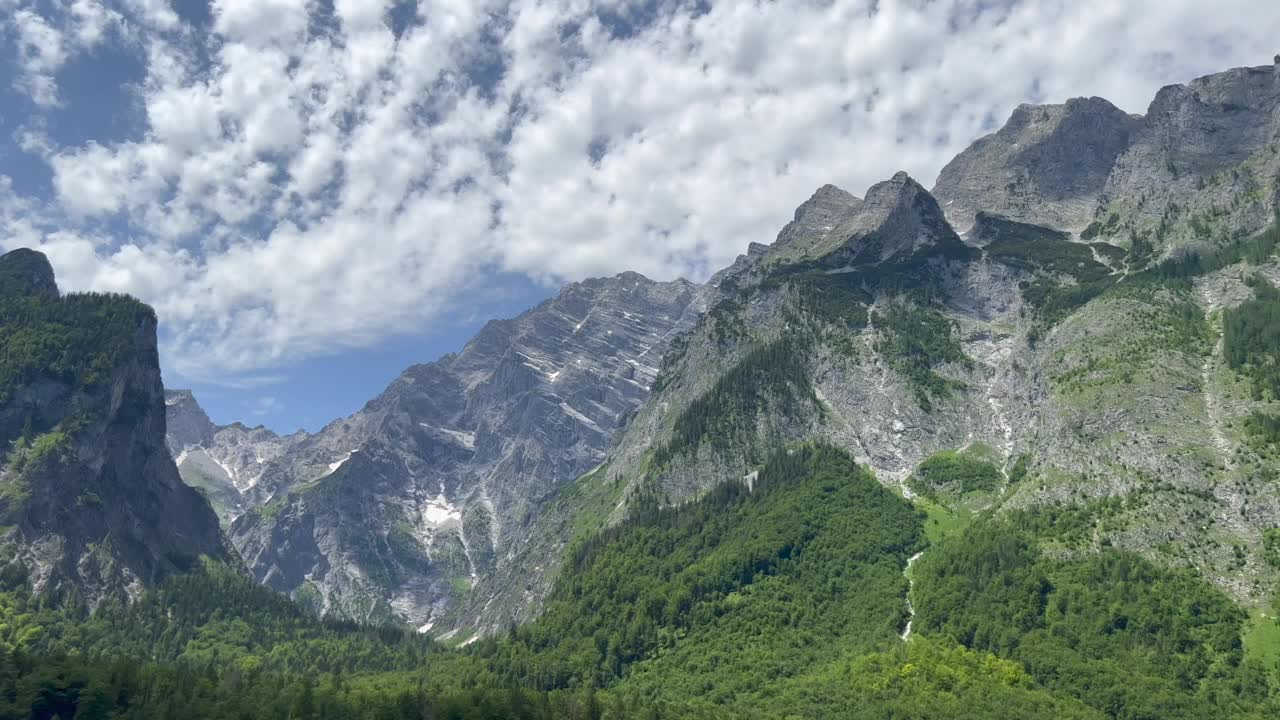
(782, 598)
(1006, 448)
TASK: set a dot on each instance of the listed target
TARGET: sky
(315, 194)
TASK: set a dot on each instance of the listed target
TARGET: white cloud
(43, 47)
(41, 51)
(261, 22)
(308, 180)
(265, 405)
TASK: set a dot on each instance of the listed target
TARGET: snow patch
(333, 466)
(225, 468)
(426, 628)
(579, 416)
(465, 439)
(440, 511)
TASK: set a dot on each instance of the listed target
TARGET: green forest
(786, 599)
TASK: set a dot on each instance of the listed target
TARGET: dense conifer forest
(787, 599)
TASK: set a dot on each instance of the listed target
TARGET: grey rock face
(96, 506)
(225, 461)
(898, 219)
(408, 508)
(834, 228)
(1047, 165)
(1198, 169)
(448, 500)
(829, 207)
(1202, 169)
(186, 422)
(1103, 405)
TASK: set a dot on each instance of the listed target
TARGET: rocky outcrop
(1033, 341)
(1048, 165)
(898, 219)
(407, 509)
(1202, 170)
(1036, 351)
(224, 461)
(1197, 170)
(90, 501)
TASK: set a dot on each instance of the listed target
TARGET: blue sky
(314, 194)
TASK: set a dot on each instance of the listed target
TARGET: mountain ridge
(902, 339)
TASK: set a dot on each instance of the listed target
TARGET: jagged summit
(26, 271)
(222, 460)
(814, 218)
(186, 422)
(438, 479)
(1196, 169)
(833, 227)
(897, 219)
(1048, 164)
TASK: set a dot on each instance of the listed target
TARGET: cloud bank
(304, 177)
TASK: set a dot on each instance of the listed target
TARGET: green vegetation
(650, 600)
(1137, 332)
(1263, 429)
(950, 476)
(772, 377)
(1101, 228)
(1126, 637)
(942, 522)
(43, 449)
(1262, 642)
(1251, 340)
(1271, 547)
(76, 339)
(784, 601)
(835, 298)
(1065, 274)
(915, 340)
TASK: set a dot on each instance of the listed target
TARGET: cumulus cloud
(312, 177)
(42, 46)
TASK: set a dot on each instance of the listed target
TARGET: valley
(1006, 447)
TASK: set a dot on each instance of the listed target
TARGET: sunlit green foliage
(1263, 429)
(1124, 636)
(950, 475)
(772, 377)
(915, 340)
(76, 338)
(1251, 339)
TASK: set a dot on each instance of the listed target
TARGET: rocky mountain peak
(185, 421)
(897, 219)
(1200, 170)
(825, 209)
(1048, 164)
(1215, 121)
(28, 272)
(224, 461)
(439, 479)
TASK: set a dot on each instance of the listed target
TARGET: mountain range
(1004, 314)
(1012, 442)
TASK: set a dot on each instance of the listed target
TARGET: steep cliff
(90, 501)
